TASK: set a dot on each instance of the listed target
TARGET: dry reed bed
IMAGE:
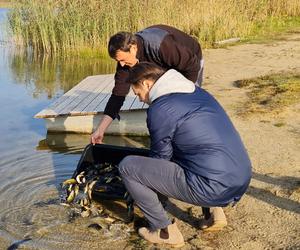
(55, 26)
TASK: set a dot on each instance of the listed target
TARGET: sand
(268, 215)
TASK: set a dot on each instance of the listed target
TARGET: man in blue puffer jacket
(197, 155)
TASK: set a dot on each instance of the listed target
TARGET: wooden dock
(80, 109)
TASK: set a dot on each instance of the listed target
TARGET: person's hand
(97, 137)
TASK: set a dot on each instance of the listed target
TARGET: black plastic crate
(103, 153)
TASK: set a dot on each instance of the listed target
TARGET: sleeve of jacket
(121, 87)
(161, 129)
(113, 106)
(180, 57)
(119, 93)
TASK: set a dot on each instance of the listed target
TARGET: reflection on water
(45, 75)
(74, 143)
(3, 24)
(54, 76)
(33, 163)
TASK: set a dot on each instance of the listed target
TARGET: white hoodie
(171, 82)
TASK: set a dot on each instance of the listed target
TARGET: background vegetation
(5, 3)
(84, 26)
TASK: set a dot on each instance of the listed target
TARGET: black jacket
(165, 46)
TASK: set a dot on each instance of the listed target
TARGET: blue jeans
(144, 177)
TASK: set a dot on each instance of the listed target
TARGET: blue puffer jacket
(188, 126)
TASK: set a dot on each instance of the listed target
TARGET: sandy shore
(268, 216)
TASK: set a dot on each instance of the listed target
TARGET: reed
(5, 3)
(53, 26)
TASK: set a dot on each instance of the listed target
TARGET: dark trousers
(144, 177)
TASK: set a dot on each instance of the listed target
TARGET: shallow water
(33, 163)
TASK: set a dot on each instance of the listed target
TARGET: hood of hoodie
(171, 82)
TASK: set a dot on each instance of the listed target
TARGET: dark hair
(144, 71)
(121, 41)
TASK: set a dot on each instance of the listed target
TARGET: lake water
(32, 163)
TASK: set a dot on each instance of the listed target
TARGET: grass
(274, 29)
(279, 124)
(271, 93)
(65, 26)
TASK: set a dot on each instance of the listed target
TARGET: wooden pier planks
(87, 98)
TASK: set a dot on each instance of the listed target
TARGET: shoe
(216, 221)
(175, 238)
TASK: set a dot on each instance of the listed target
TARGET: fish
(69, 182)
(76, 190)
(98, 178)
(71, 196)
(90, 188)
(80, 178)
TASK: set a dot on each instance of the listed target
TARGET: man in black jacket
(162, 45)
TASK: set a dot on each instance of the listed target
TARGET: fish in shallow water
(98, 178)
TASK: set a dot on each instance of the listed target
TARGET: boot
(170, 235)
(216, 221)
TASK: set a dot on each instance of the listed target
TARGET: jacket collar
(171, 82)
